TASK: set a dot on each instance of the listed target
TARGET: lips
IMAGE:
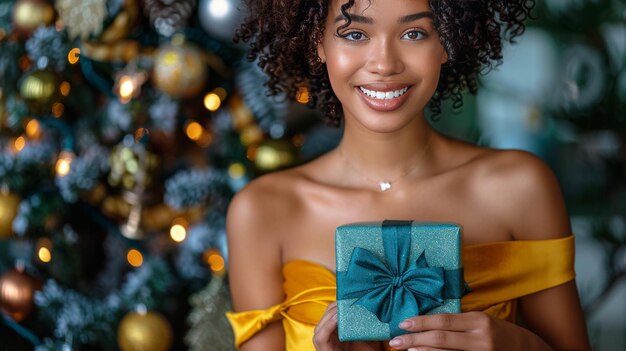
(384, 97)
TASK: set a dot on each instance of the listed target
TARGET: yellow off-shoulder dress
(498, 273)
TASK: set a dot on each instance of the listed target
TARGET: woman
(374, 66)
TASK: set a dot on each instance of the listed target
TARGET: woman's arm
(254, 263)
(553, 314)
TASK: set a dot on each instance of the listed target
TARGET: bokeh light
(32, 129)
(194, 130)
(178, 233)
(58, 109)
(65, 87)
(212, 102)
(127, 89)
(215, 261)
(134, 257)
(236, 170)
(73, 56)
(19, 144)
(302, 96)
(64, 163)
(44, 254)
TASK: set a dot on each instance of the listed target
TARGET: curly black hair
(283, 36)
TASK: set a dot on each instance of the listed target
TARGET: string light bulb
(194, 130)
(215, 261)
(73, 56)
(212, 102)
(64, 163)
(134, 258)
(302, 96)
(44, 255)
(178, 233)
(44, 251)
(64, 88)
(19, 144)
(32, 129)
(58, 109)
(127, 89)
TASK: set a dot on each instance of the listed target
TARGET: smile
(384, 95)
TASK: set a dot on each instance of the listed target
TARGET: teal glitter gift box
(392, 270)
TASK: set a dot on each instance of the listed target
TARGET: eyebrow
(401, 20)
(416, 16)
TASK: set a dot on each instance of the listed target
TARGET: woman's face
(385, 66)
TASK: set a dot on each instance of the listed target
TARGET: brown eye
(354, 36)
(414, 35)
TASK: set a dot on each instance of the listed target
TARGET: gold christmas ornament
(40, 89)
(16, 293)
(30, 14)
(179, 70)
(144, 331)
(8, 209)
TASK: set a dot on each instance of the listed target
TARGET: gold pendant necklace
(386, 184)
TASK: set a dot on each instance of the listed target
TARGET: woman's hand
(325, 336)
(465, 331)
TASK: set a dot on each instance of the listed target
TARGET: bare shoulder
(253, 225)
(522, 191)
(263, 202)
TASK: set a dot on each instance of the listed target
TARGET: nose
(385, 59)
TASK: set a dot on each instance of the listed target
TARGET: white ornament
(220, 18)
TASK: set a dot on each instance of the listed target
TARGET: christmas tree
(125, 128)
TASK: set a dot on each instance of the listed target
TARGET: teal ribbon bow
(396, 288)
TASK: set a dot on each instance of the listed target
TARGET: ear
(320, 52)
(444, 57)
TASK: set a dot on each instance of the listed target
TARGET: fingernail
(395, 342)
(406, 324)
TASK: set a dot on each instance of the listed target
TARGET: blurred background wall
(560, 94)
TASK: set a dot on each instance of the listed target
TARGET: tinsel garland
(190, 188)
(84, 173)
(85, 319)
(269, 110)
(201, 237)
(48, 45)
(10, 71)
(163, 113)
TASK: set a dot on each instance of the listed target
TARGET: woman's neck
(386, 156)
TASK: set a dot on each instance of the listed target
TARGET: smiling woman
(369, 59)
(373, 67)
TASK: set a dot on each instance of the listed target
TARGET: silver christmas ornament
(221, 18)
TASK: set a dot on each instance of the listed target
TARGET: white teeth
(384, 95)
